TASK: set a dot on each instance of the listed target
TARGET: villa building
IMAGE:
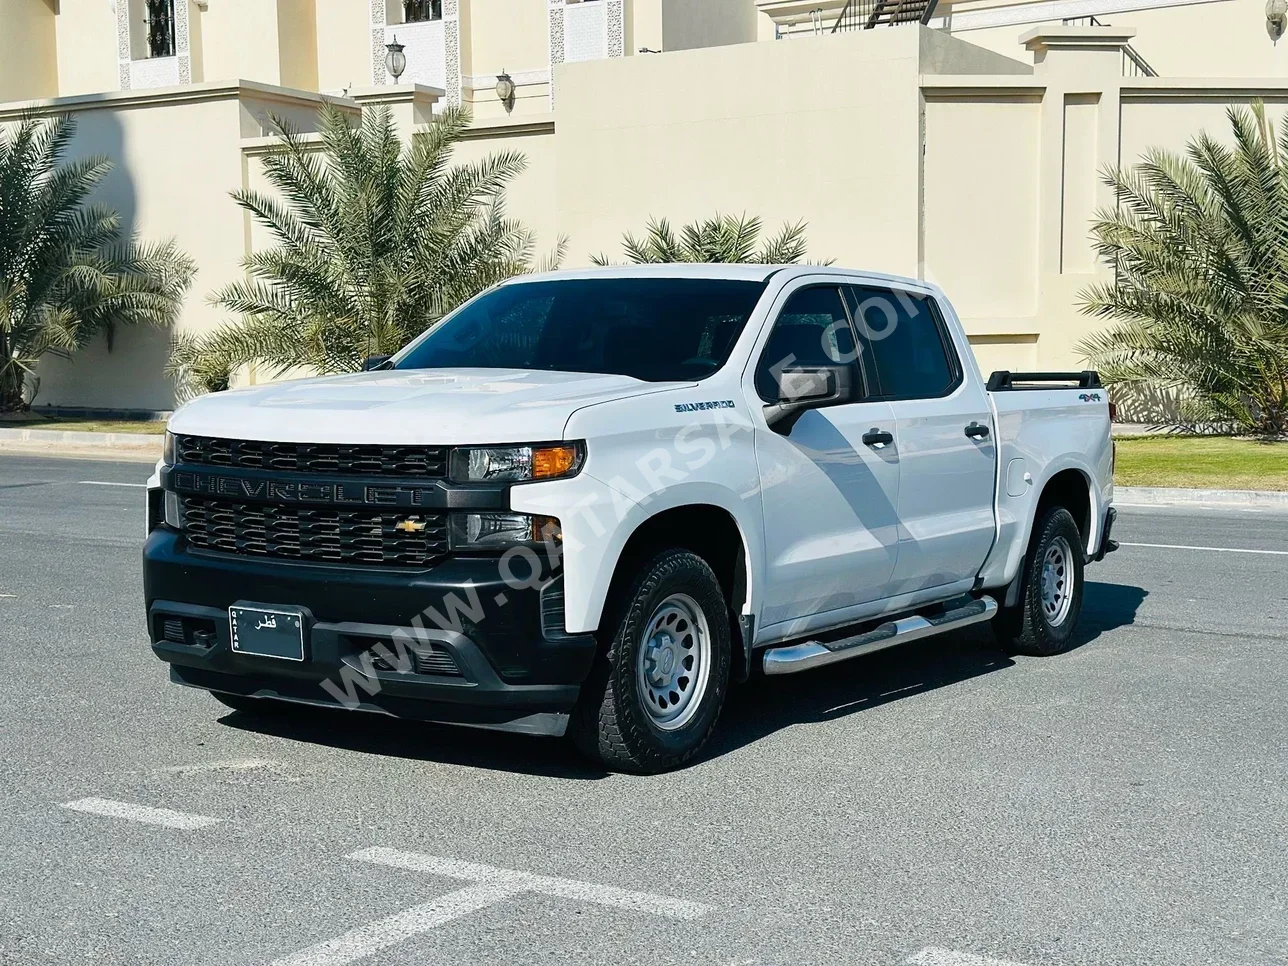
(959, 141)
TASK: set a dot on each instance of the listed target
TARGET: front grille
(417, 462)
(309, 534)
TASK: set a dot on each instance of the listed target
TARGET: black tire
(1044, 627)
(611, 723)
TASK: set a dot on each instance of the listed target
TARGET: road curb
(1163, 495)
(79, 445)
(110, 440)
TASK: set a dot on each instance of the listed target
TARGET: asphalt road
(939, 804)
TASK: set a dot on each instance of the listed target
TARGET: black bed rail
(1004, 379)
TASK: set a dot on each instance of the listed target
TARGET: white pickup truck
(591, 501)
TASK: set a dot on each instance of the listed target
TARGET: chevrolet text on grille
(301, 492)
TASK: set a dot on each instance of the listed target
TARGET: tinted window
(811, 330)
(903, 343)
(655, 329)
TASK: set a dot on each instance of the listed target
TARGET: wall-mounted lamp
(396, 60)
(505, 88)
(1276, 18)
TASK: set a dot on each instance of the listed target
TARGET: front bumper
(502, 658)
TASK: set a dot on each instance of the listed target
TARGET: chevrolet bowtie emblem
(410, 526)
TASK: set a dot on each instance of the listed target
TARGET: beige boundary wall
(906, 151)
(177, 154)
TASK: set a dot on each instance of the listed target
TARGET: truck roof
(749, 272)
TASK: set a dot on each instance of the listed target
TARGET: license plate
(267, 631)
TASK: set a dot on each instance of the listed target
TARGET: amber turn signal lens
(550, 461)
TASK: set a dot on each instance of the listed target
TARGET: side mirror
(375, 362)
(807, 387)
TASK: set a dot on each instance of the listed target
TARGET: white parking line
(936, 956)
(1178, 546)
(563, 888)
(140, 813)
(374, 936)
(490, 886)
(105, 483)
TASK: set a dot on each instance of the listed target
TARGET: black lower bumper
(454, 643)
(1107, 545)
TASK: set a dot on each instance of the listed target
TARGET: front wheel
(659, 683)
(1043, 619)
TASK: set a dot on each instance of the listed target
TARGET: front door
(947, 452)
(829, 498)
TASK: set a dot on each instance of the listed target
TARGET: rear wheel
(1044, 617)
(659, 683)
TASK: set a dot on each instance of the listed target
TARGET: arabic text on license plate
(267, 631)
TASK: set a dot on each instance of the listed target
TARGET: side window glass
(903, 343)
(811, 330)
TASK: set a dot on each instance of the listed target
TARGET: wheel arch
(1072, 489)
(713, 533)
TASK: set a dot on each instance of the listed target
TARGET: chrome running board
(790, 658)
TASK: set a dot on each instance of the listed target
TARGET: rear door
(947, 455)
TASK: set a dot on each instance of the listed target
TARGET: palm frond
(374, 241)
(1199, 301)
(720, 238)
(68, 274)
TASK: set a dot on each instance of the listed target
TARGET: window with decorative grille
(160, 21)
(415, 11)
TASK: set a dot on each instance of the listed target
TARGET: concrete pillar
(409, 104)
(28, 64)
(1080, 52)
(1082, 68)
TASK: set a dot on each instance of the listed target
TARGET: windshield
(654, 329)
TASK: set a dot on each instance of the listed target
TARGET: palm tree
(1199, 245)
(720, 238)
(68, 272)
(376, 241)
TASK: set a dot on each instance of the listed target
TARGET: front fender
(598, 520)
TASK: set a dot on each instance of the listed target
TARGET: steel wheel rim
(674, 662)
(1057, 582)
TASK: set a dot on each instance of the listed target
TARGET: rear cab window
(904, 343)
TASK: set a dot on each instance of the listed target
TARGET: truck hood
(408, 407)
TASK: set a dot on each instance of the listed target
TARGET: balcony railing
(867, 14)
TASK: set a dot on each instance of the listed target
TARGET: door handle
(877, 437)
(976, 430)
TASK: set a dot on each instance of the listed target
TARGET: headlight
(501, 531)
(167, 449)
(500, 464)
